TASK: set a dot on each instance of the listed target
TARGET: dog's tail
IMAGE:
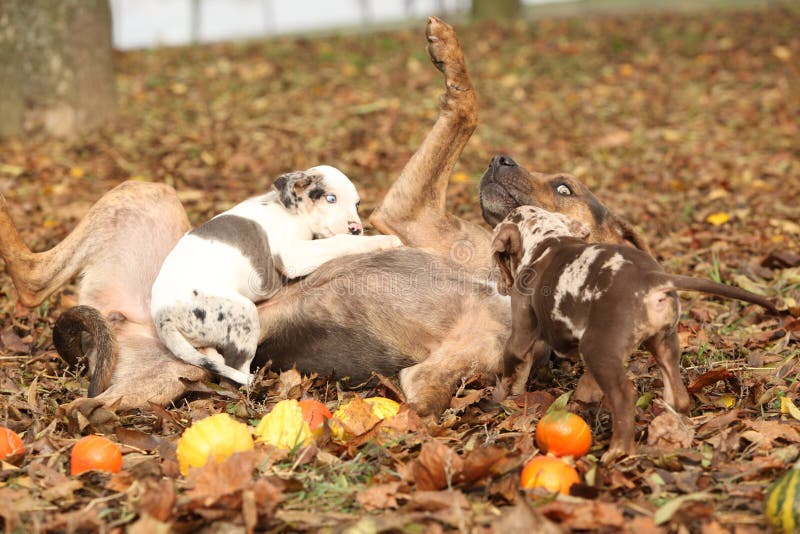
(212, 361)
(689, 283)
(68, 338)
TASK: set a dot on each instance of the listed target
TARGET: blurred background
(148, 23)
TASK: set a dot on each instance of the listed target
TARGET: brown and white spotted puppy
(205, 293)
(596, 301)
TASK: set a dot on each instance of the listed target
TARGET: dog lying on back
(205, 293)
(599, 302)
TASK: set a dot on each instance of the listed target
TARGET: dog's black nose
(504, 161)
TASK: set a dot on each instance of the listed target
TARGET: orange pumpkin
(95, 452)
(550, 473)
(314, 413)
(562, 433)
(10, 443)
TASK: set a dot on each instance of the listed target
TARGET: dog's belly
(331, 350)
(378, 312)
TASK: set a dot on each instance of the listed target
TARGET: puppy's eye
(563, 189)
(331, 199)
(358, 204)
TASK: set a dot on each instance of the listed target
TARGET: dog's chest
(250, 239)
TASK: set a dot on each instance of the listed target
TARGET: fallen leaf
(668, 509)
(380, 496)
(436, 467)
(670, 430)
(719, 218)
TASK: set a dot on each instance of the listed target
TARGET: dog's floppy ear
(289, 185)
(629, 233)
(506, 253)
(577, 228)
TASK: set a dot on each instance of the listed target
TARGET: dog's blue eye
(358, 204)
(563, 189)
(331, 198)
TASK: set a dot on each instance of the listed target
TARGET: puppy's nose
(355, 228)
(504, 161)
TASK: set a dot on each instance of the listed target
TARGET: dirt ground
(689, 125)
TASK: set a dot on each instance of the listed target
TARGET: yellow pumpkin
(216, 437)
(284, 427)
(353, 415)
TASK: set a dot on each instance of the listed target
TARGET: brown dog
(429, 312)
(599, 302)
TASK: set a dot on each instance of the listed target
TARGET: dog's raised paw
(445, 53)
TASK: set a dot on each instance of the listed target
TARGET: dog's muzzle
(355, 228)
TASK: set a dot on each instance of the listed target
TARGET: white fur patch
(572, 283)
(615, 262)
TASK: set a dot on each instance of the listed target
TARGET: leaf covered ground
(689, 125)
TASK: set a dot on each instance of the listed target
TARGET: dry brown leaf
(766, 433)
(380, 496)
(158, 499)
(670, 430)
(585, 515)
(216, 480)
(433, 501)
(436, 467)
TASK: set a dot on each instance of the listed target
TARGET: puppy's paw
(385, 242)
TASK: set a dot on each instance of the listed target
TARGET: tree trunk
(495, 9)
(56, 69)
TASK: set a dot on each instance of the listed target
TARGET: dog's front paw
(385, 242)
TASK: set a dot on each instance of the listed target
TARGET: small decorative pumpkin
(216, 437)
(284, 427)
(550, 473)
(782, 503)
(352, 414)
(562, 433)
(95, 453)
(10, 443)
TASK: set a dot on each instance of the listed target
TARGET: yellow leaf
(460, 177)
(178, 88)
(671, 135)
(207, 158)
(50, 223)
(626, 70)
(782, 53)
(789, 408)
(718, 219)
(77, 172)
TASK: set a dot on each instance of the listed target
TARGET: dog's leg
(667, 353)
(473, 346)
(414, 208)
(301, 258)
(605, 359)
(518, 356)
(118, 247)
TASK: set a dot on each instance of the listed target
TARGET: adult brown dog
(599, 302)
(428, 311)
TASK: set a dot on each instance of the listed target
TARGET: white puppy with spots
(205, 293)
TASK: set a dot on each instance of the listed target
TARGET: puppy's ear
(290, 185)
(506, 253)
(629, 233)
(578, 229)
